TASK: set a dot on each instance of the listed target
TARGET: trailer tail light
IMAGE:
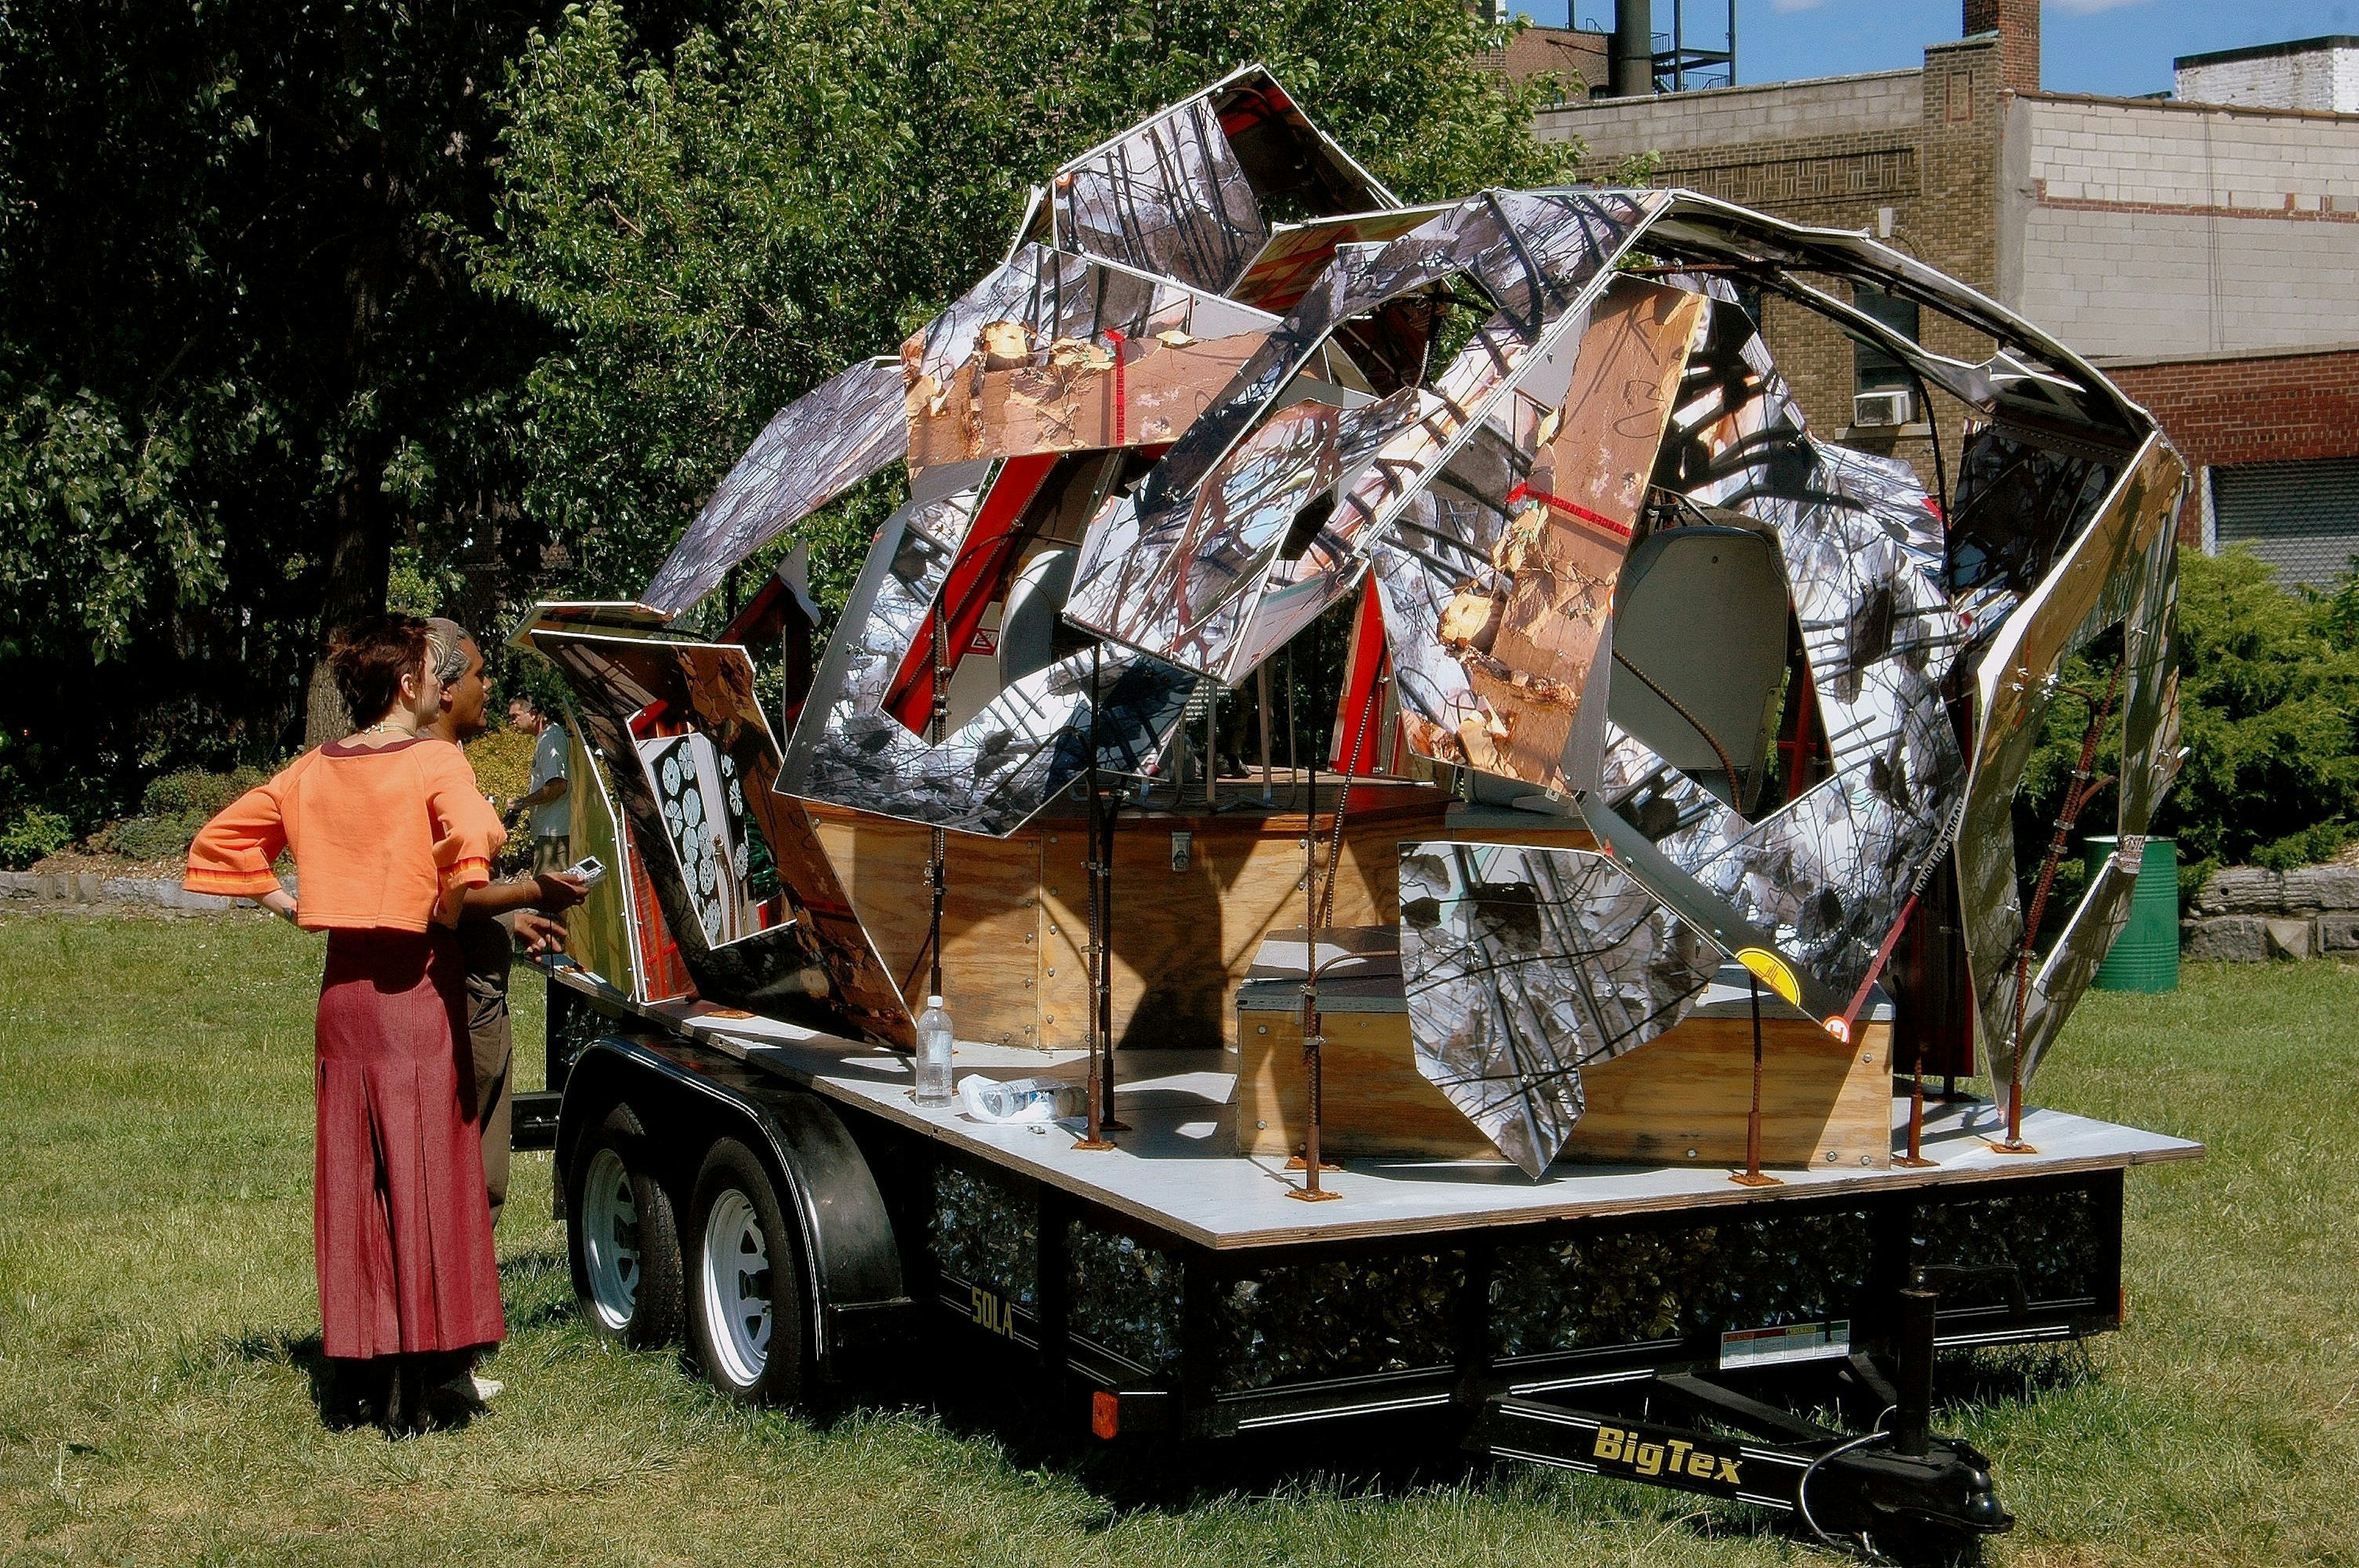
(1105, 1414)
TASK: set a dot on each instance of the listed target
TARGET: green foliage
(147, 837)
(2268, 711)
(240, 359)
(33, 836)
(194, 792)
(799, 186)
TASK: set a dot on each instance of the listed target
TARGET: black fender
(687, 1096)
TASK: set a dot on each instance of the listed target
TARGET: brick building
(2205, 253)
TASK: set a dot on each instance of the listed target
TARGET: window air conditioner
(1880, 409)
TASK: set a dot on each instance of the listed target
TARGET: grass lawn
(156, 1282)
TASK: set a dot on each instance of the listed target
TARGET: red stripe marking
(1570, 508)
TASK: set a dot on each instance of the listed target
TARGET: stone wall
(2246, 914)
(33, 891)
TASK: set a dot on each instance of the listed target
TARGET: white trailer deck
(1176, 1168)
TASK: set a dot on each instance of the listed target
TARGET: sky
(2117, 47)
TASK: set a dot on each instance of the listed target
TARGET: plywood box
(1016, 918)
(1680, 1099)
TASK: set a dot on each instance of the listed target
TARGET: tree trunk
(360, 569)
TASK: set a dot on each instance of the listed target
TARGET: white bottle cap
(933, 1002)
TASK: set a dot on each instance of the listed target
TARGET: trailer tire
(746, 1309)
(622, 1240)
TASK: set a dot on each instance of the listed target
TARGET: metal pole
(1097, 1083)
(1212, 745)
(1751, 1176)
(938, 873)
(1261, 692)
(1310, 1191)
(1915, 1159)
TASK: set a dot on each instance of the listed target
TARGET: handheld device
(589, 869)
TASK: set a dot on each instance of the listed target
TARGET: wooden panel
(990, 917)
(1017, 909)
(1681, 1099)
(1375, 1101)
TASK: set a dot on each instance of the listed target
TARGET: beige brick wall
(1735, 117)
(2153, 230)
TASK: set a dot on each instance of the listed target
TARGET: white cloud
(2090, 7)
(1782, 5)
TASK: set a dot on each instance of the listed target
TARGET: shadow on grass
(2010, 1374)
(349, 1394)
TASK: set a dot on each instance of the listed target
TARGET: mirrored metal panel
(1522, 965)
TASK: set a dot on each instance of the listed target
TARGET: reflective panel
(747, 892)
(1497, 583)
(1537, 254)
(818, 447)
(2123, 568)
(1167, 197)
(1002, 766)
(1522, 965)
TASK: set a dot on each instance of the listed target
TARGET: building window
(1884, 389)
(2300, 517)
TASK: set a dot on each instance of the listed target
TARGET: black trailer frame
(1137, 1328)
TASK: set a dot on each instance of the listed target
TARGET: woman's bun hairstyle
(369, 659)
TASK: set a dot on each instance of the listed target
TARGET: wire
(1736, 795)
(1862, 1547)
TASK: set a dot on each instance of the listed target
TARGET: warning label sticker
(1787, 1342)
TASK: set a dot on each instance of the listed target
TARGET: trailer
(774, 1194)
(1560, 1069)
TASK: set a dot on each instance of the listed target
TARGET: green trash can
(2144, 956)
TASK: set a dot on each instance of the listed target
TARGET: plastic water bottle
(934, 1055)
(1019, 1100)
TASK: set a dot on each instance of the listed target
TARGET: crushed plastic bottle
(1015, 1101)
(934, 1055)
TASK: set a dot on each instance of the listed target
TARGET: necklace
(384, 727)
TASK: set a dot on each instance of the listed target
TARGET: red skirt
(400, 1225)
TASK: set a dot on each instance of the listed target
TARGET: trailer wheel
(745, 1307)
(624, 1242)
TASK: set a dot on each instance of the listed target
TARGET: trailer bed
(1177, 1171)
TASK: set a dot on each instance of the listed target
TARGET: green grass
(156, 1294)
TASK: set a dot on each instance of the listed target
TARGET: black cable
(1736, 795)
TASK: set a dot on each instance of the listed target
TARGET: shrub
(149, 838)
(33, 836)
(2268, 702)
(194, 792)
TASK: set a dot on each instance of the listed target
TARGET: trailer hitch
(1692, 1432)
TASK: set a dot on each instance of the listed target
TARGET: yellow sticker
(1773, 972)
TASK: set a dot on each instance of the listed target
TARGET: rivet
(1831, 1156)
(1261, 1029)
(1691, 1153)
(1865, 1160)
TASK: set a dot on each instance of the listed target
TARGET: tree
(241, 358)
(802, 184)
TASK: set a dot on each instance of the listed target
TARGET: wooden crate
(1015, 920)
(1680, 1099)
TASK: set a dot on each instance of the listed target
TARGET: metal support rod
(938, 870)
(1310, 1191)
(1751, 1176)
(1098, 1097)
(1261, 692)
(1102, 857)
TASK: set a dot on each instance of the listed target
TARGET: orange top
(383, 839)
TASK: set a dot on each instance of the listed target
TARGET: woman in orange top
(388, 831)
